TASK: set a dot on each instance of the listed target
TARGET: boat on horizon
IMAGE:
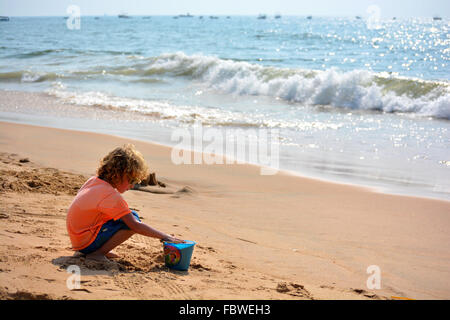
(262, 16)
(437, 18)
(185, 15)
(309, 17)
(4, 18)
(277, 16)
(124, 16)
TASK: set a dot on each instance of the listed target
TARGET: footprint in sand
(366, 294)
(199, 267)
(293, 289)
(228, 264)
(209, 249)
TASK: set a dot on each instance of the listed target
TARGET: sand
(258, 237)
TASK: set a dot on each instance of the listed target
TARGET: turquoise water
(354, 102)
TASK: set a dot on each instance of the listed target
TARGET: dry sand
(258, 237)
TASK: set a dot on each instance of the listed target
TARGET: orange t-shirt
(95, 203)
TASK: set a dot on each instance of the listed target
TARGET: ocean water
(353, 101)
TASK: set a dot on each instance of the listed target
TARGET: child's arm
(146, 230)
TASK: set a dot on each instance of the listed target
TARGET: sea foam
(356, 89)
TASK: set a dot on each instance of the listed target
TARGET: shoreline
(269, 232)
(79, 117)
(286, 172)
(375, 189)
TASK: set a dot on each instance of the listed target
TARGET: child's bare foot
(111, 255)
(78, 254)
(97, 257)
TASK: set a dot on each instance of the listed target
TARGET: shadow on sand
(113, 266)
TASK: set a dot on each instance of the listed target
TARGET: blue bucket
(178, 255)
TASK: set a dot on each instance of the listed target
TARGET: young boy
(99, 219)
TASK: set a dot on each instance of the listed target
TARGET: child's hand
(172, 240)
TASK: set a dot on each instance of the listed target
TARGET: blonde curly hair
(123, 161)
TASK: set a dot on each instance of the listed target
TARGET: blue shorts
(107, 230)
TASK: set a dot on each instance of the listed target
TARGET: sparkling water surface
(354, 102)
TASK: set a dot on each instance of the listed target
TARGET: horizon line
(222, 14)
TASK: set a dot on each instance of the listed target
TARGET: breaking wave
(358, 89)
(355, 89)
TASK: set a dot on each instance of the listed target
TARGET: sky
(388, 8)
